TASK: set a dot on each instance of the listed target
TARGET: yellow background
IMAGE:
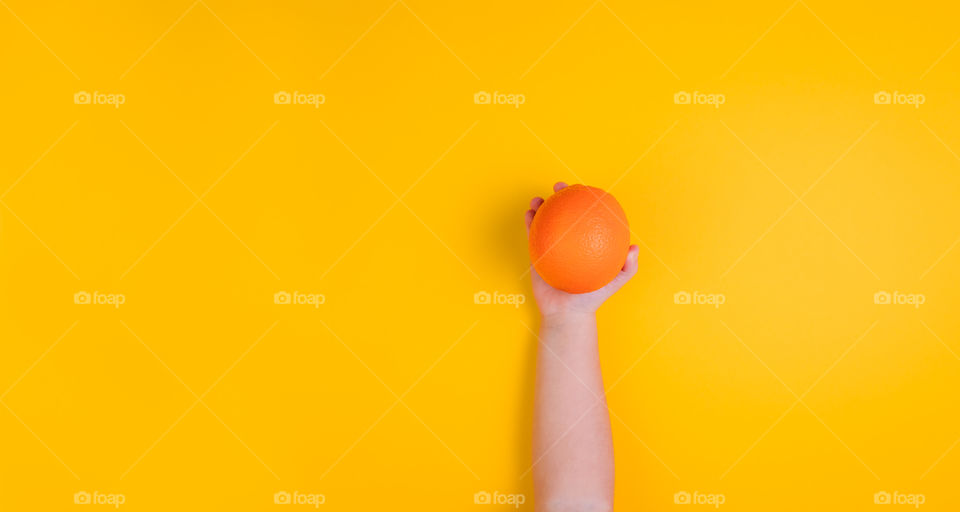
(399, 198)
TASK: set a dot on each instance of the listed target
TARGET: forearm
(572, 445)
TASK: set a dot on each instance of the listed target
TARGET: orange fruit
(579, 239)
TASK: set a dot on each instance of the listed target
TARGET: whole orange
(579, 239)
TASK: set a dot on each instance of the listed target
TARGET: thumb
(629, 269)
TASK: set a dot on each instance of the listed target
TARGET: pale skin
(572, 445)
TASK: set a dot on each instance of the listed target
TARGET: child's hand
(559, 305)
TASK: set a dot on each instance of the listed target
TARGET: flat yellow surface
(398, 198)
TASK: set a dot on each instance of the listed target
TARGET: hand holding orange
(579, 239)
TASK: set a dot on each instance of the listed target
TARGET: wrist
(567, 319)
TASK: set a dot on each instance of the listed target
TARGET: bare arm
(573, 467)
(572, 447)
